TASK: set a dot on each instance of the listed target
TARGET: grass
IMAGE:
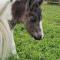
(49, 47)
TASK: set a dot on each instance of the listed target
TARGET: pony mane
(7, 45)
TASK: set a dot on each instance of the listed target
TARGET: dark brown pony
(29, 13)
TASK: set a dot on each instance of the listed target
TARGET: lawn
(49, 47)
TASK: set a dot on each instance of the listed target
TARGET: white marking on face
(41, 28)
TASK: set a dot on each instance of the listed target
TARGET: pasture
(49, 47)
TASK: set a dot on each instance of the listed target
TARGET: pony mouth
(37, 37)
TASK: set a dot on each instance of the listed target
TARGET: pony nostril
(38, 37)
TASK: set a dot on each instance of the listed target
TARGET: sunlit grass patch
(49, 47)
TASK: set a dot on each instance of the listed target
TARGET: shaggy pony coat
(7, 44)
(15, 10)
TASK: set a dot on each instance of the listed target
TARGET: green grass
(49, 47)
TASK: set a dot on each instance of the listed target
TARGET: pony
(13, 12)
(28, 12)
(7, 44)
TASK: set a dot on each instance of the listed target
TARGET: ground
(49, 47)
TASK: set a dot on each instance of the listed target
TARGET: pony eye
(33, 19)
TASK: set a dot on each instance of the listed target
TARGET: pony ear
(40, 1)
(35, 2)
